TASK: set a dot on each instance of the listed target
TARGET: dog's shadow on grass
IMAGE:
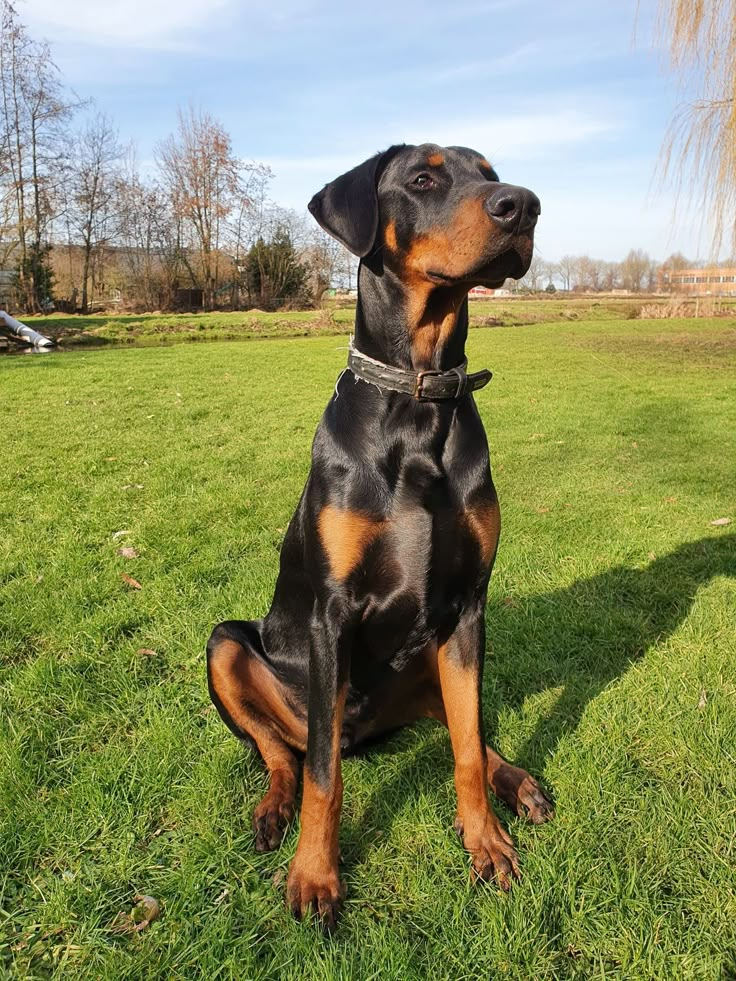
(577, 640)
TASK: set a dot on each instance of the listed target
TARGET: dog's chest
(427, 566)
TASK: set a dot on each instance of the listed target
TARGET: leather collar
(424, 386)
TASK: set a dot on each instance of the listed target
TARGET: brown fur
(345, 535)
(484, 522)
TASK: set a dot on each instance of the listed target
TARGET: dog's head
(436, 215)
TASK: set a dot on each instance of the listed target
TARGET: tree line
(637, 272)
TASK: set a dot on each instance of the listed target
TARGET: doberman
(378, 614)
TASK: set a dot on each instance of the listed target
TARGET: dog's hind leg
(255, 705)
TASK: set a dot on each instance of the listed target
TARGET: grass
(335, 318)
(611, 669)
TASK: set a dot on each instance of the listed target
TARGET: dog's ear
(347, 207)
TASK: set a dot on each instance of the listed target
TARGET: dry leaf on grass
(146, 652)
(703, 700)
(130, 581)
(145, 911)
(719, 522)
(121, 533)
(128, 552)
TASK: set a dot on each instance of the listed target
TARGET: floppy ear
(347, 208)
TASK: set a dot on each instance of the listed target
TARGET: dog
(377, 618)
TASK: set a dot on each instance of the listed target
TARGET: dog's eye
(423, 182)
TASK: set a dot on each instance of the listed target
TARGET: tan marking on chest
(484, 523)
(345, 536)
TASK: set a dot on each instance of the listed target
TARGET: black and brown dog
(378, 614)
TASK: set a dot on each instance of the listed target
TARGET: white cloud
(530, 137)
(125, 23)
(513, 137)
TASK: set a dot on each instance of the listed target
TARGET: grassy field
(611, 669)
(334, 318)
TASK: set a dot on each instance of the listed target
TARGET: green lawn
(334, 318)
(611, 669)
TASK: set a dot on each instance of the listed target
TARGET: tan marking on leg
(345, 535)
(314, 880)
(484, 524)
(257, 704)
(490, 846)
(256, 701)
(460, 696)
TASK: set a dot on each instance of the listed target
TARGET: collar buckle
(418, 392)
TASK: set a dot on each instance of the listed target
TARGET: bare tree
(93, 191)
(635, 270)
(676, 262)
(550, 272)
(148, 239)
(700, 147)
(33, 111)
(533, 276)
(205, 183)
(611, 275)
(590, 273)
(566, 269)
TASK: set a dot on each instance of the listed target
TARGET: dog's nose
(514, 209)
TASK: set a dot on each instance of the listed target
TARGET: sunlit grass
(611, 669)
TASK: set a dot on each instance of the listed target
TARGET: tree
(325, 262)
(590, 273)
(700, 147)
(204, 181)
(550, 270)
(93, 190)
(273, 269)
(566, 270)
(676, 262)
(149, 240)
(531, 280)
(635, 270)
(33, 111)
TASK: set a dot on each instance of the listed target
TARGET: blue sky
(569, 97)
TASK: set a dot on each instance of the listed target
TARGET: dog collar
(424, 386)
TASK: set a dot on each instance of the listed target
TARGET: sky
(569, 98)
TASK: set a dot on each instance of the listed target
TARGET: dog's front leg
(460, 663)
(314, 883)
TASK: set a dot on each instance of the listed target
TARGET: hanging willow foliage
(699, 150)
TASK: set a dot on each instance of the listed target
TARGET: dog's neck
(416, 326)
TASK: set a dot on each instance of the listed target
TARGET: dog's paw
(492, 853)
(320, 894)
(521, 792)
(270, 820)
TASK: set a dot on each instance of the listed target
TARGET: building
(712, 281)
